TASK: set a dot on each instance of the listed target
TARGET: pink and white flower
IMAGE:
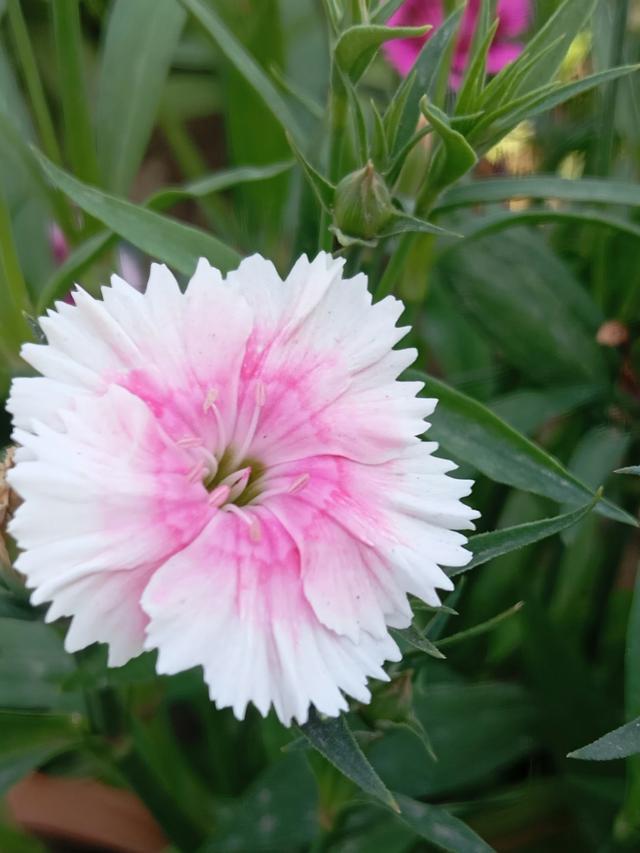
(514, 18)
(233, 476)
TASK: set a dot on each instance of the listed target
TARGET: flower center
(243, 480)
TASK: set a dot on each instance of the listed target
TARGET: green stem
(338, 109)
(33, 81)
(14, 296)
(393, 269)
(606, 138)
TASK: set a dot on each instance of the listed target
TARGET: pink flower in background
(233, 476)
(514, 20)
(58, 244)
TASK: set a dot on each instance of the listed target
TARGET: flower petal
(236, 607)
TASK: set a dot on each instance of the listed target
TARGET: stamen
(255, 530)
(299, 484)
(261, 399)
(293, 488)
(237, 481)
(196, 472)
(189, 441)
(209, 404)
(219, 496)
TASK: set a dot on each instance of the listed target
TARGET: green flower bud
(362, 205)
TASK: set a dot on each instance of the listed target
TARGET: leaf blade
(333, 739)
(162, 238)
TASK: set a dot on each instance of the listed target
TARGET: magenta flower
(514, 20)
(232, 475)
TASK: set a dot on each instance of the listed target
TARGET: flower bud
(362, 204)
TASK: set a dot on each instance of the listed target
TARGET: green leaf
(79, 139)
(527, 410)
(437, 826)
(498, 123)
(402, 114)
(456, 157)
(277, 813)
(488, 546)
(468, 96)
(333, 739)
(217, 182)
(357, 45)
(82, 257)
(417, 640)
(28, 740)
(244, 64)
(483, 627)
(403, 223)
(33, 667)
(476, 729)
(471, 432)
(494, 190)
(563, 26)
(385, 10)
(163, 239)
(620, 743)
(494, 223)
(140, 41)
(528, 304)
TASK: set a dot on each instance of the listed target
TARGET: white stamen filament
(219, 496)
(261, 398)
(291, 488)
(209, 404)
(237, 482)
(255, 531)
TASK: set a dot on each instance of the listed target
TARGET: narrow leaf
(244, 64)
(493, 190)
(357, 45)
(488, 546)
(79, 140)
(163, 239)
(29, 739)
(140, 41)
(468, 96)
(402, 114)
(620, 743)
(498, 123)
(471, 432)
(483, 627)
(416, 638)
(437, 826)
(456, 157)
(334, 740)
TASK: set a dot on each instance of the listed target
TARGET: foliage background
(531, 322)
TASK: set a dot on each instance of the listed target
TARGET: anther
(255, 530)
(196, 472)
(189, 441)
(298, 484)
(261, 399)
(219, 496)
(209, 400)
